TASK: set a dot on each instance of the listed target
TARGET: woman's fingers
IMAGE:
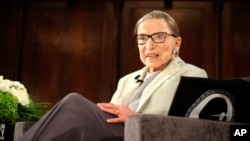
(119, 110)
(115, 120)
(109, 108)
(108, 105)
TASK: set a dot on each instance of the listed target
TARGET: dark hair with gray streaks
(157, 14)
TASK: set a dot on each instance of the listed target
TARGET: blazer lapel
(133, 86)
(163, 76)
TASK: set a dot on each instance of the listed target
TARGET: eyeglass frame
(151, 36)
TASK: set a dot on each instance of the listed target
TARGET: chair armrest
(20, 128)
(172, 128)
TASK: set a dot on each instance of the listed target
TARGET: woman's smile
(152, 56)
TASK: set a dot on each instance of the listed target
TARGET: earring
(176, 52)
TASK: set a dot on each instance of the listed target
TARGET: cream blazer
(158, 95)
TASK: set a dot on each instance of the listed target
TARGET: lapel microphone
(137, 80)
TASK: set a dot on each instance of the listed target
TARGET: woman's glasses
(158, 37)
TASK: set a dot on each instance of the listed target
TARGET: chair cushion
(171, 128)
(223, 100)
(21, 128)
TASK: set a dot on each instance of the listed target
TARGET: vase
(6, 130)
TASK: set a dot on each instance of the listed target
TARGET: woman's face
(157, 55)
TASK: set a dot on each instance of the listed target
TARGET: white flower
(16, 89)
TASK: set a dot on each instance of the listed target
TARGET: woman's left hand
(122, 112)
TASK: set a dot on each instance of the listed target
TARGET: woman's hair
(156, 14)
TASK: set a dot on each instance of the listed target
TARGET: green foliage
(11, 110)
(33, 112)
(8, 107)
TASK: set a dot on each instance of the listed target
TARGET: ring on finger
(116, 112)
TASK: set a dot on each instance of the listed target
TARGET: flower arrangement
(16, 104)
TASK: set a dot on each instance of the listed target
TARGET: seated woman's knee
(72, 96)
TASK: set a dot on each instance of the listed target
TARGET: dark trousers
(74, 118)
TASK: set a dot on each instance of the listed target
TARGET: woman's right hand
(121, 111)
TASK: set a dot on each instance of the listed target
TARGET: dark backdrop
(56, 46)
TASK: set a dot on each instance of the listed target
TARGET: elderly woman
(149, 90)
